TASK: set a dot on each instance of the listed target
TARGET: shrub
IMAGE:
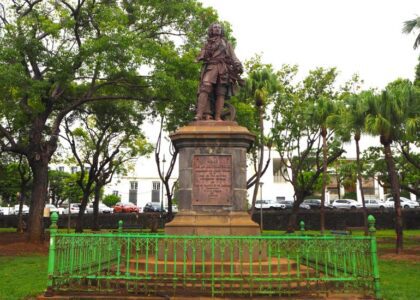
(111, 200)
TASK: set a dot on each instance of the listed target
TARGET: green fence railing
(142, 264)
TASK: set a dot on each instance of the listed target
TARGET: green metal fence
(141, 264)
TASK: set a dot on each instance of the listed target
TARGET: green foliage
(58, 185)
(299, 112)
(110, 200)
(375, 167)
(350, 195)
(395, 113)
(15, 177)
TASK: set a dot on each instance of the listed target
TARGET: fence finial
(54, 219)
(302, 226)
(371, 221)
(120, 226)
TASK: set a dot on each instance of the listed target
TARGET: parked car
(25, 209)
(269, 204)
(102, 209)
(375, 204)
(405, 203)
(153, 207)
(53, 208)
(126, 208)
(316, 204)
(313, 203)
(74, 208)
(346, 204)
(289, 204)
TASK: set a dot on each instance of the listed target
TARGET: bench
(355, 228)
(340, 232)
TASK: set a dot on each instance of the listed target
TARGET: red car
(125, 208)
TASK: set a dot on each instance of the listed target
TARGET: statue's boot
(219, 107)
(201, 105)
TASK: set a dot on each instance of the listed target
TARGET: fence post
(120, 231)
(51, 255)
(373, 249)
(302, 227)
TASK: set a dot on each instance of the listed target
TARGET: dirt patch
(411, 254)
(14, 244)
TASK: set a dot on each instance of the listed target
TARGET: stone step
(274, 266)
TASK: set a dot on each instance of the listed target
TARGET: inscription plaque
(212, 180)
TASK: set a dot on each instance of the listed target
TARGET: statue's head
(215, 29)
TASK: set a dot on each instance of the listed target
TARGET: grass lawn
(24, 277)
(398, 279)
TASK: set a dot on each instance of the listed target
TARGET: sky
(355, 36)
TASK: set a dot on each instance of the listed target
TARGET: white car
(102, 209)
(74, 208)
(25, 209)
(269, 204)
(346, 204)
(405, 203)
(375, 204)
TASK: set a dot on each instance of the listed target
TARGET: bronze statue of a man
(219, 74)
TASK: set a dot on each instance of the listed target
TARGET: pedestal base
(210, 223)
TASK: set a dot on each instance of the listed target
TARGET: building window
(61, 168)
(156, 191)
(279, 170)
(132, 194)
(73, 170)
(115, 193)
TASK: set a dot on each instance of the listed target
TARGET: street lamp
(261, 203)
(163, 176)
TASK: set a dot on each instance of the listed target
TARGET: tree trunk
(395, 188)
(39, 169)
(20, 217)
(359, 178)
(83, 204)
(324, 177)
(260, 162)
(291, 225)
(169, 196)
(95, 223)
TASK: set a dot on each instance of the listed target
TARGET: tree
(321, 106)
(58, 55)
(354, 113)
(409, 176)
(391, 116)
(410, 26)
(261, 86)
(165, 177)
(111, 200)
(57, 186)
(107, 138)
(15, 182)
(297, 137)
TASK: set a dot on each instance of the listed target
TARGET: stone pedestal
(212, 197)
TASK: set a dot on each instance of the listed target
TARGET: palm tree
(410, 26)
(391, 116)
(321, 110)
(354, 114)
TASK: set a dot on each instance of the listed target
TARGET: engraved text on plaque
(212, 180)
